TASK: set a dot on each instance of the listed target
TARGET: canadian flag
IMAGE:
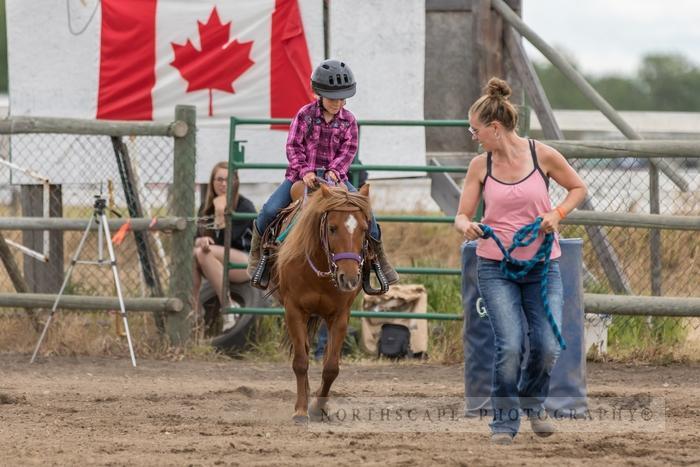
(244, 57)
(137, 59)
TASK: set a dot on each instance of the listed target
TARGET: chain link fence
(82, 167)
(672, 268)
(136, 177)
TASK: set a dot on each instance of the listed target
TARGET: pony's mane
(304, 237)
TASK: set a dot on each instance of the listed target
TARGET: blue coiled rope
(524, 237)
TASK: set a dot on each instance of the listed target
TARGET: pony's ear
(364, 190)
(325, 191)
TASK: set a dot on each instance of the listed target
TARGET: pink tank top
(510, 206)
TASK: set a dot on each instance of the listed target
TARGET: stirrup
(261, 276)
(379, 274)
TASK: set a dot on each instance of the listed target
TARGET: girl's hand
(473, 231)
(203, 243)
(310, 180)
(330, 175)
(550, 222)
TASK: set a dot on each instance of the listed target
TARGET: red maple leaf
(218, 64)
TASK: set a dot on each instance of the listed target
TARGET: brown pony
(319, 274)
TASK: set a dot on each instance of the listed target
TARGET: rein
(524, 237)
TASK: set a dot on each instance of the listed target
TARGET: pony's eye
(332, 229)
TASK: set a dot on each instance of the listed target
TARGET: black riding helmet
(333, 79)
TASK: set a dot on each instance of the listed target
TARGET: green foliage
(663, 82)
(444, 296)
(268, 341)
(672, 82)
(624, 93)
(562, 94)
(639, 332)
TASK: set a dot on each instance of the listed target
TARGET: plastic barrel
(567, 388)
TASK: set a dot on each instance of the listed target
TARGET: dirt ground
(100, 411)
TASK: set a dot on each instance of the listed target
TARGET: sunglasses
(475, 132)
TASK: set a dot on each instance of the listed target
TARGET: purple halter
(333, 257)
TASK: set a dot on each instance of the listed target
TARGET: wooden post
(178, 325)
(654, 234)
(16, 277)
(11, 266)
(523, 120)
(143, 246)
(487, 41)
(43, 277)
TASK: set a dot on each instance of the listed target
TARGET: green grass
(628, 333)
(268, 341)
(444, 296)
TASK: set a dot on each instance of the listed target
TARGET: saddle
(277, 231)
(275, 234)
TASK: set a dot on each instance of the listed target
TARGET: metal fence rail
(602, 304)
(599, 162)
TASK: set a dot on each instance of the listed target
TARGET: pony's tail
(311, 328)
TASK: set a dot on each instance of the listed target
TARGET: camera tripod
(103, 233)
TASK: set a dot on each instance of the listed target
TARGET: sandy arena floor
(100, 411)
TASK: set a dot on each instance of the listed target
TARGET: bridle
(332, 257)
(367, 269)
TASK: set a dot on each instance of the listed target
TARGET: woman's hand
(473, 231)
(550, 222)
(310, 180)
(203, 243)
(219, 209)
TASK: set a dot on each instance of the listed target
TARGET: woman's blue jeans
(281, 198)
(516, 310)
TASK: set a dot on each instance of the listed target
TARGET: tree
(623, 93)
(664, 82)
(562, 94)
(672, 82)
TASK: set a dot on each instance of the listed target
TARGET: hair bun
(498, 88)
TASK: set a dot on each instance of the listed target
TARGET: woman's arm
(469, 199)
(558, 168)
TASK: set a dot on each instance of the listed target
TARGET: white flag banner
(383, 41)
(138, 59)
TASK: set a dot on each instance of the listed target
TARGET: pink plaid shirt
(312, 143)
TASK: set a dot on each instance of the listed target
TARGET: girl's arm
(346, 153)
(296, 150)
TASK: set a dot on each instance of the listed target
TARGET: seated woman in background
(209, 244)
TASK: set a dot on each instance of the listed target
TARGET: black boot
(254, 256)
(392, 277)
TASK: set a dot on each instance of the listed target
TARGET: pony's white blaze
(351, 223)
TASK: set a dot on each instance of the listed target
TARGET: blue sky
(611, 36)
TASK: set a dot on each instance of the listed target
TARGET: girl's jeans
(280, 199)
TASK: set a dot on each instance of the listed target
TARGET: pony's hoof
(320, 411)
(300, 420)
(319, 415)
